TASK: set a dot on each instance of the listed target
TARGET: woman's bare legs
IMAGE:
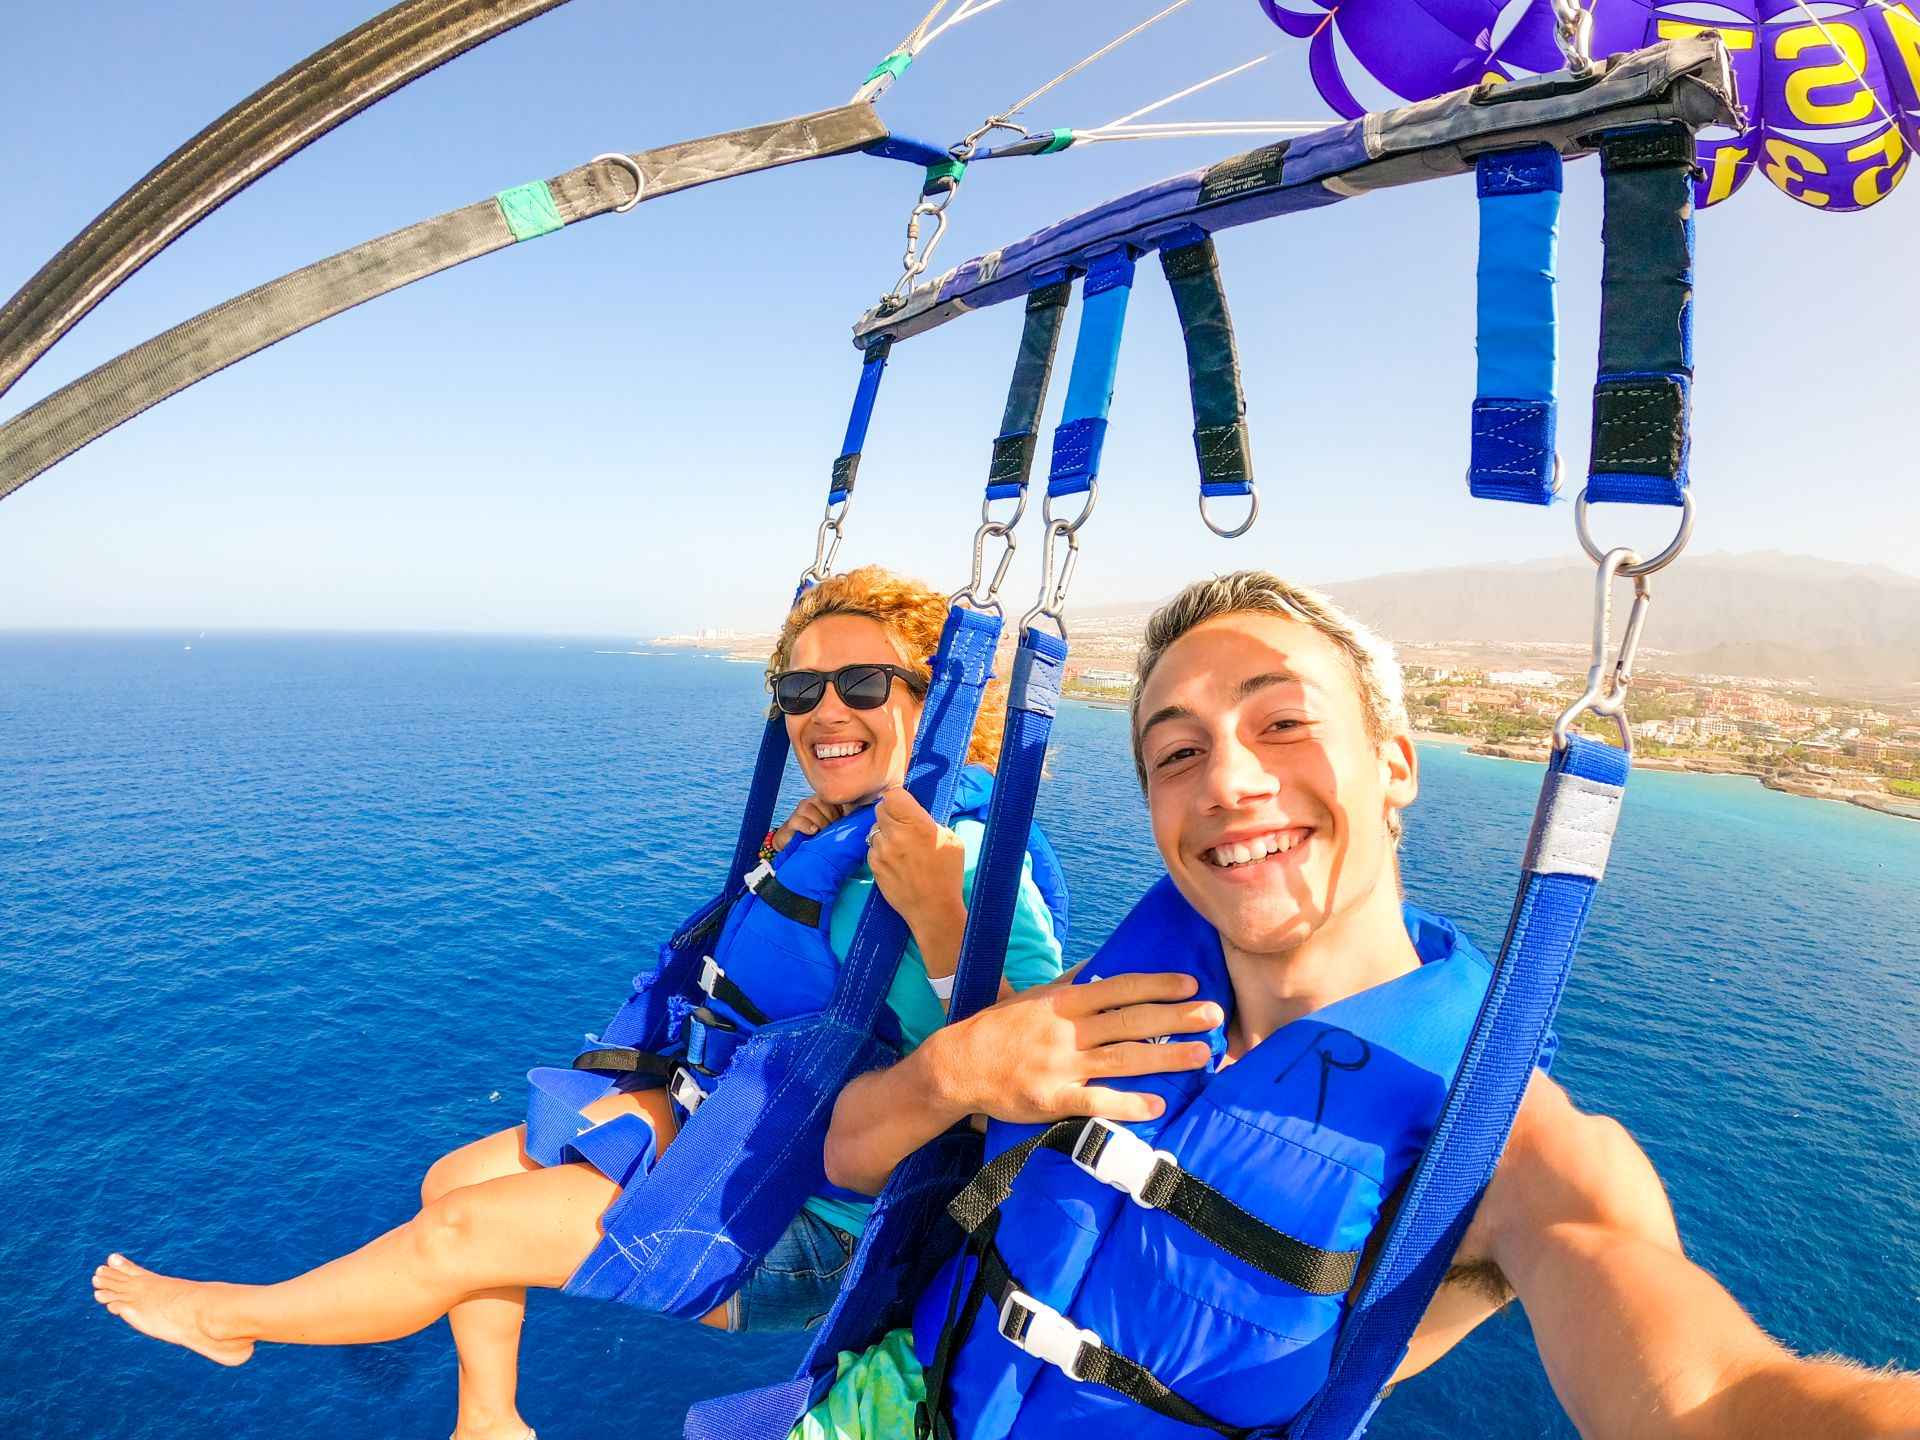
(477, 1244)
(486, 1326)
(532, 1228)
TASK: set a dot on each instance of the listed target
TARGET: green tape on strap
(894, 65)
(1060, 141)
(529, 210)
(945, 170)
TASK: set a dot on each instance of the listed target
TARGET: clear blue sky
(627, 427)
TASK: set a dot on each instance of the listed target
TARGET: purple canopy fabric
(1813, 128)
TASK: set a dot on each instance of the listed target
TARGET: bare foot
(165, 1308)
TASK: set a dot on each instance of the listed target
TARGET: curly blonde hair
(913, 616)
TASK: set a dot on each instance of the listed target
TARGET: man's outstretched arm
(1639, 1342)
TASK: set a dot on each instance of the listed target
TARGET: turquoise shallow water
(285, 918)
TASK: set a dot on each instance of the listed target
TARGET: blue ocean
(284, 918)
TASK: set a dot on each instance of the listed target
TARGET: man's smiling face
(1269, 797)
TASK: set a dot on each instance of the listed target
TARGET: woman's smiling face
(850, 755)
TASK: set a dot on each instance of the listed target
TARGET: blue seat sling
(748, 1158)
(910, 1234)
(1640, 446)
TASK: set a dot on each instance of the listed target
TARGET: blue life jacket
(773, 960)
(1189, 1274)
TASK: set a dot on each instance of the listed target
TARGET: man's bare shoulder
(1563, 1166)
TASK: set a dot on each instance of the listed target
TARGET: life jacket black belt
(797, 908)
(626, 1060)
(714, 981)
(1116, 1156)
(1046, 1334)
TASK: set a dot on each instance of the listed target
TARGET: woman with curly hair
(849, 673)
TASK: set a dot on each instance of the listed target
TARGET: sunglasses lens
(863, 687)
(799, 691)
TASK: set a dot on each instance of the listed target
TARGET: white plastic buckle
(761, 872)
(686, 1090)
(1124, 1161)
(710, 975)
(1044, 1333)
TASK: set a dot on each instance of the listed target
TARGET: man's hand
(918, 865)
(810, 817)
(1038, 1056)
(1031, 1058)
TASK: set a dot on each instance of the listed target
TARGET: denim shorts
(794, 1287)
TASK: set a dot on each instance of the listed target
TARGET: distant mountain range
(1767, 614)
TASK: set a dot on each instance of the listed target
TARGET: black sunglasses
(860, 687)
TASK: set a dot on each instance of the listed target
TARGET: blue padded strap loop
(1514, 406)
(1096, 358)
(1548, 918)
(847, 465)
(1642, 398)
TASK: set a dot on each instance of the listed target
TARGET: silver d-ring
(1646, 567)
(1071, 527)
(1253, 514)
(632, 167)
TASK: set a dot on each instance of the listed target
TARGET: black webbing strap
(797, 908)
(1187, 1198)
(1213, 369)
(1092, 1363)
(716, 983)
(1013, 448)
(48, 432)
(278, 120)
(626, 1060)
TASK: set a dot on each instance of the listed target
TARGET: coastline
(1770, 780)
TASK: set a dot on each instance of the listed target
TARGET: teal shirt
(1033, 958)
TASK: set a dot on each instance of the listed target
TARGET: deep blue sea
(284, 918)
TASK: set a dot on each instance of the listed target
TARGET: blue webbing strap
(1514, 406)
(1096, 357)
(749, 1157)
(872, 366)
(1013, 448)
(1566, 855)
(909, 1233)
(763, 791)
(1213, 368)
(1641, 400)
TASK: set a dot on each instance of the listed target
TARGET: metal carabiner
(971, 594)
(1612, 671)
(1056, 574)
(826, 544)
(1573, 33)
(915, 259)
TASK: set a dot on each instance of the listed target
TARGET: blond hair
(1369, 656)
(913, 615)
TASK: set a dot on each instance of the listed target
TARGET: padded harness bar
(1641, 400)
(1514, 405)
(1685, 81)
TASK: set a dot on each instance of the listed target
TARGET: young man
(1271, 739)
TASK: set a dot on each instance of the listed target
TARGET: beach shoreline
(1805, 787)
